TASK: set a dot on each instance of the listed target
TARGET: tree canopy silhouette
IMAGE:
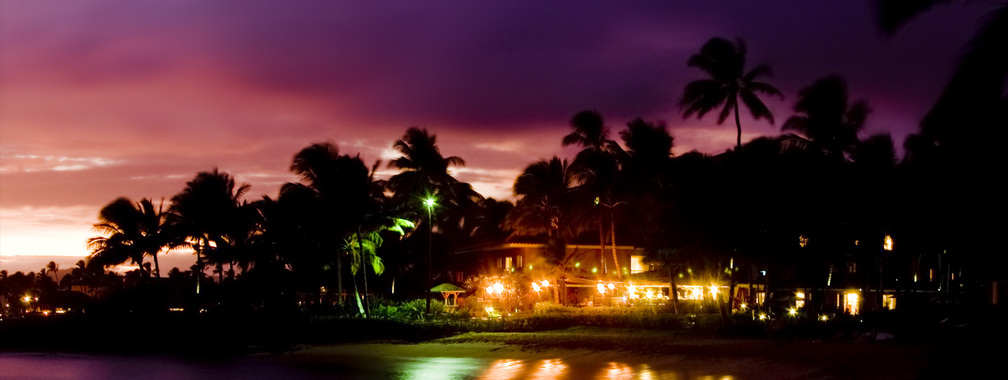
(728, 83)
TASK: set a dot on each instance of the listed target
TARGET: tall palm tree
(724, 62)
(827, 117)
(545, 189)
(424, 174)
(203, 212)
(339, 186)
(596, 168)
(372, 215)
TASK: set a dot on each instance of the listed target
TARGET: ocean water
(60, 366)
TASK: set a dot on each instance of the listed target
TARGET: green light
(594, 270)
(429, 202)
(577, 265)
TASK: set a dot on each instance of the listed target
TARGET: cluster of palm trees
(333, 221)
(755, 207)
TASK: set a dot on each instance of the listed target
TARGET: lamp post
(429, 204)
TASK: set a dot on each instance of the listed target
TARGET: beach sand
(620, 354)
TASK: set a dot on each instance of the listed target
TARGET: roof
(446, 287)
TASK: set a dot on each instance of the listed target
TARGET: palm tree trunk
(601, 237)
(364, 264)
(556, 286)
(673, 291)
(157, 268)
(612, 242)
(738, 126)
(360, 307)
(339, 279)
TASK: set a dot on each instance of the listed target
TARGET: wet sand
(605, 355)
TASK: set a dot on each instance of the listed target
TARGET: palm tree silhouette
(596, 168)
(545, 189)
(827, 117)
(203, 212)
(54, 269)
(340, 186)
(132, 231)
(724, 62)
(423, 174)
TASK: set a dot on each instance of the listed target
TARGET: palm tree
(724, 62)
(52, 267)
(646, 163)
(363, 250)
(132, 231)
(339, 186)
(544, 189)
(156, 230)
(423, 174)
(827, 117)
(203, 213)
(596, 168)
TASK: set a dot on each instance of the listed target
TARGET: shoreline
(685, 355)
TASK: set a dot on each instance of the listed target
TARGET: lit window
(637, 264)
(850, 303)
(889, 301)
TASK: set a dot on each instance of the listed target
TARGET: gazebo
(449, 292)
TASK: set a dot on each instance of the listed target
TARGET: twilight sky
(108, 98)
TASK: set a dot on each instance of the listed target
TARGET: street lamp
(429, 204)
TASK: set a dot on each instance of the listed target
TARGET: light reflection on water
(438, 368)
(550, 369)
(502, 369)
(55, 366)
